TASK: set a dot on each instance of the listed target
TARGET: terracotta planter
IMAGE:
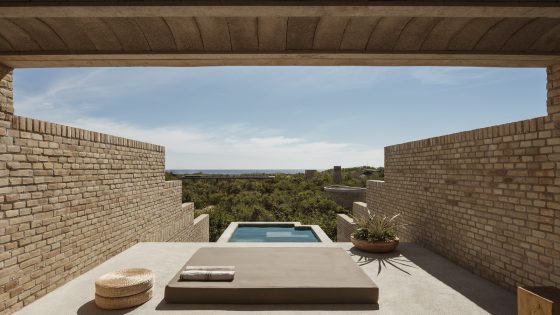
(375, 247)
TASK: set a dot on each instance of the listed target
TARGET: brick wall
(184, 235)
(489, 199)
(71, 198)
(345, 225)
(201, 229)
(75, 198)
(6, 96)
(553, 92)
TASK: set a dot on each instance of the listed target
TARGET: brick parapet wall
(6, 95)
(201, 229)
(553, 92)
(359, 209)
(344, 227)
(539, 124)
(47, 128)
(185, 235)
(489, 199)
(70, 199)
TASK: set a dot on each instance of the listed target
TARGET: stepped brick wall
(199, 227)
(201, 231)
(488, 199)
(345, 224)
(70, 199)
(344, 227)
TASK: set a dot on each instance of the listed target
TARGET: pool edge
(319, 233)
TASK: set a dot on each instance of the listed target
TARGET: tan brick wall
(359, 209)
(488, 199)
(6, 95)
(553, 92)
(72, 198)
(345, 226)
(201, 229)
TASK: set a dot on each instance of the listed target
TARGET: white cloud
(88, 99)
(78, 99)
(445, 76)
(59, 95)
(196, 148)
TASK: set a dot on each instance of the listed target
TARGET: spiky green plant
(373, 227)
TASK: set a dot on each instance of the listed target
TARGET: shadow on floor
(487, 295)
(163, 306)
(394, 259)
(90, 308)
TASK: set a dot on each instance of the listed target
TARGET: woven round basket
(109, 303)
(126, 282)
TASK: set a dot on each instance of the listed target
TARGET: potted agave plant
(376, 233)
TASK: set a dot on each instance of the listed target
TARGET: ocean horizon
(236, 171)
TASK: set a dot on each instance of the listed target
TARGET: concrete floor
(412, 280)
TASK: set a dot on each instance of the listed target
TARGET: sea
(239, 171)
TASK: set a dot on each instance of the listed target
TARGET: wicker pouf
(124, 288)
(117, 303)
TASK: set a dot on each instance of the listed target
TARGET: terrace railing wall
(72, 198)
(489, 199)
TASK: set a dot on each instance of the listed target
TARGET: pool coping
(226, 235)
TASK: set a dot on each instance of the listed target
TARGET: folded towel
(210, 268)
(205, 275)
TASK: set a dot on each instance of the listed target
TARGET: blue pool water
(273, 233)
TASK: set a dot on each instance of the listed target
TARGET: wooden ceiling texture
(184, 33)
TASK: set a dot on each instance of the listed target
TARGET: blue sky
(279, 117)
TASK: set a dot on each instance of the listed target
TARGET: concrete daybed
(273, 275)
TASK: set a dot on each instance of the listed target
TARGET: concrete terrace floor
(412, 280)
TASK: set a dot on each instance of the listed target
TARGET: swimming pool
(276, 232)
(273, 234)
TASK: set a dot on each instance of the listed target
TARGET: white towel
(205, 275)
(210, 268)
